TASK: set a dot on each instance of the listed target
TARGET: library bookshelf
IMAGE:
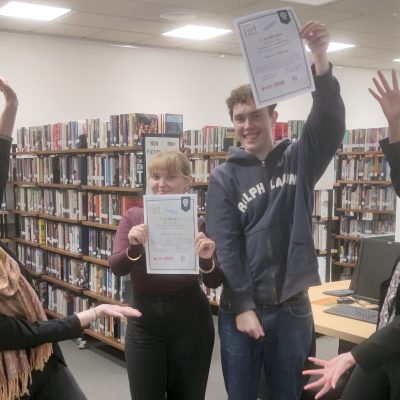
(365, 202)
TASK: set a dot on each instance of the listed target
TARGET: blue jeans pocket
(300, 308)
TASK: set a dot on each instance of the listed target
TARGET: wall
(61, 80)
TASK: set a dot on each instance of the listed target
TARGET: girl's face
(166, 182)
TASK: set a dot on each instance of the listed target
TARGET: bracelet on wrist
(208, 271)
(131, 258)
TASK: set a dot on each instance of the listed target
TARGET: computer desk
(345, 329)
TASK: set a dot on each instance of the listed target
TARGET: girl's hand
(204, 246)
(138, 234)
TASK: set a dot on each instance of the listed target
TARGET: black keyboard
(339, 292)
(360, 313)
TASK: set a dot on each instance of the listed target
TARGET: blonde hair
(172, 161)
(241, 95)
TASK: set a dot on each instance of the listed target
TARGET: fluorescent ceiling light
(196, 32)
(333, 46)
(37, 12)
(396, 59)
(312, 2)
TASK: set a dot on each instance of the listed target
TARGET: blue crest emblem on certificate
(185, 203)
(284, 16)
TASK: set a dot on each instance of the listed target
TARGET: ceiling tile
(65, 30)
(18, 25)
(146, 26)
(92, 20)
(119, 36)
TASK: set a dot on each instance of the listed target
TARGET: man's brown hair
(241, 95)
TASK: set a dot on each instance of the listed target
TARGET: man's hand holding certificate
(275, 56)
(172, 229)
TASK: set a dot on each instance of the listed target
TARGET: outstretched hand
(116, 311)
(330, 372)
(7, 90)
(7, 118)
(389, 99)
(317, 38)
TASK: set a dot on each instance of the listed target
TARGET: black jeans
(54, 382)
(168, 349)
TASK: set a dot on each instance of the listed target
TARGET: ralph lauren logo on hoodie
(250, 195)
(286, 179)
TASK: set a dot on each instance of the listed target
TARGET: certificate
(275, 56)
(172, 225)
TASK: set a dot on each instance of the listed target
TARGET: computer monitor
(374, 265)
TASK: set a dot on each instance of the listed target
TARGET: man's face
(253, 127)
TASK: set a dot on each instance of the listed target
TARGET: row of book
(121, 170)
(60, 235)
(76, 205)
(121, 130)
(66, 303)
(291, 130)
(361, 140)
(80, 273)
(320, 235)
(202, 168)
(348, 251)
(117, 170)
(367, 197)
(209, 139)
(321, 203)
(353, 226)
(364, 168)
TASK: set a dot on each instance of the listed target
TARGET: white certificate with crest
(172, 223)
(275, 55)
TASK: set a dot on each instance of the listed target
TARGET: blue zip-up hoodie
(259, 212)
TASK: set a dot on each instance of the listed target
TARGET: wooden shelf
(195, 184)
(213, 154)
(4, 212)
(363, 182)
(60, 251)
(60, 219)
(344, 264)
(25, 242)
(65, 285)
(23, 184)
(365, 210)
(111, 189)
(325, 252)
(95, 260)
(58, 185)
(103, 299)
(102, 226)
(371, 153)
(110, 341)
(26, 213)
(33, 273)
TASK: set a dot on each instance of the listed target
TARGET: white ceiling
(369, 24)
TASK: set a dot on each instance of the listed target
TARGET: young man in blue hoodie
(259, 210)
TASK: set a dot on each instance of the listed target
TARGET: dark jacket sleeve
(379, 347)
(325, 126)
(392, 153)
(19, 333)
(5, 146)
(384, 343)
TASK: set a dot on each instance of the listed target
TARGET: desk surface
(332, 325)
